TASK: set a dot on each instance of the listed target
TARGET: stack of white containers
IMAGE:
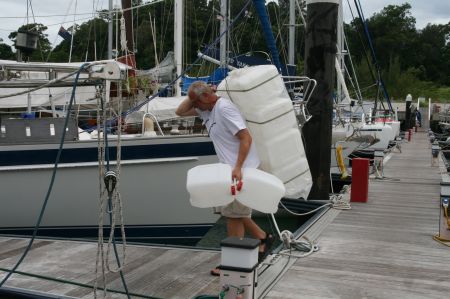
(260, 94)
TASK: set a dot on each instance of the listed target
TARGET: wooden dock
(150, 271)
(379, 249)
(382, 248)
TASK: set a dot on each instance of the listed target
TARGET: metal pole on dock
(408, 112)
(320, 56)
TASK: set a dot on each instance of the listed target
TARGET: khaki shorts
(236, 210)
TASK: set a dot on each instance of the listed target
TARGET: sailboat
(152, 177)
(153, 166)
(376, 133)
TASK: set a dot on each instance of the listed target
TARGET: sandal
(215, 271)
(267, 241)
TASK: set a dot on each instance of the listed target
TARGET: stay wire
(50, 188)
(369, 65)
(372, 52)
(39, 40)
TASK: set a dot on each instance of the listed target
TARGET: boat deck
(379, 249)
(382, 248)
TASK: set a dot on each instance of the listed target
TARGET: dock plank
(151, 271)
(382, 248)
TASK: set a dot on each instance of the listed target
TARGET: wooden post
(320, 57)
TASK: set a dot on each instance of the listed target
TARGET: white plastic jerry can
(211, 186)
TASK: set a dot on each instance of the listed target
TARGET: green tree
(6, 52)
(393, 33)
(434, 50)
(89, 43)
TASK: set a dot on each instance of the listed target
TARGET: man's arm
(245, 140)
(186, 108)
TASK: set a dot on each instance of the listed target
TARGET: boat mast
(178, 42)
(224, 8)
(110, 29)
(291, 50)
(126, 5)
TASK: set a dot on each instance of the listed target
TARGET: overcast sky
(54, 13)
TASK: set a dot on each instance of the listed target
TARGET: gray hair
(198, 88)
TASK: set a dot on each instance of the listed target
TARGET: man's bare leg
(235, 227)
(253, 229)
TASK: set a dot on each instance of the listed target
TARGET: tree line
(411, 60)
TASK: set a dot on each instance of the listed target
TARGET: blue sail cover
(260, 6)
(218, 75)
(214, 79)
(187, 81)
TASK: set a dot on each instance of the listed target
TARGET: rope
(307, 213)
(100, 156)
(290, 243)
(113, 199)
(251, 88)
(341, 201)
(306, 246)
(116, 202)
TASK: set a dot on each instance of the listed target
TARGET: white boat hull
(153, 191)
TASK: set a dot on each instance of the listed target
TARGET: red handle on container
(236, 187)
(233, 190)
(239, 185)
